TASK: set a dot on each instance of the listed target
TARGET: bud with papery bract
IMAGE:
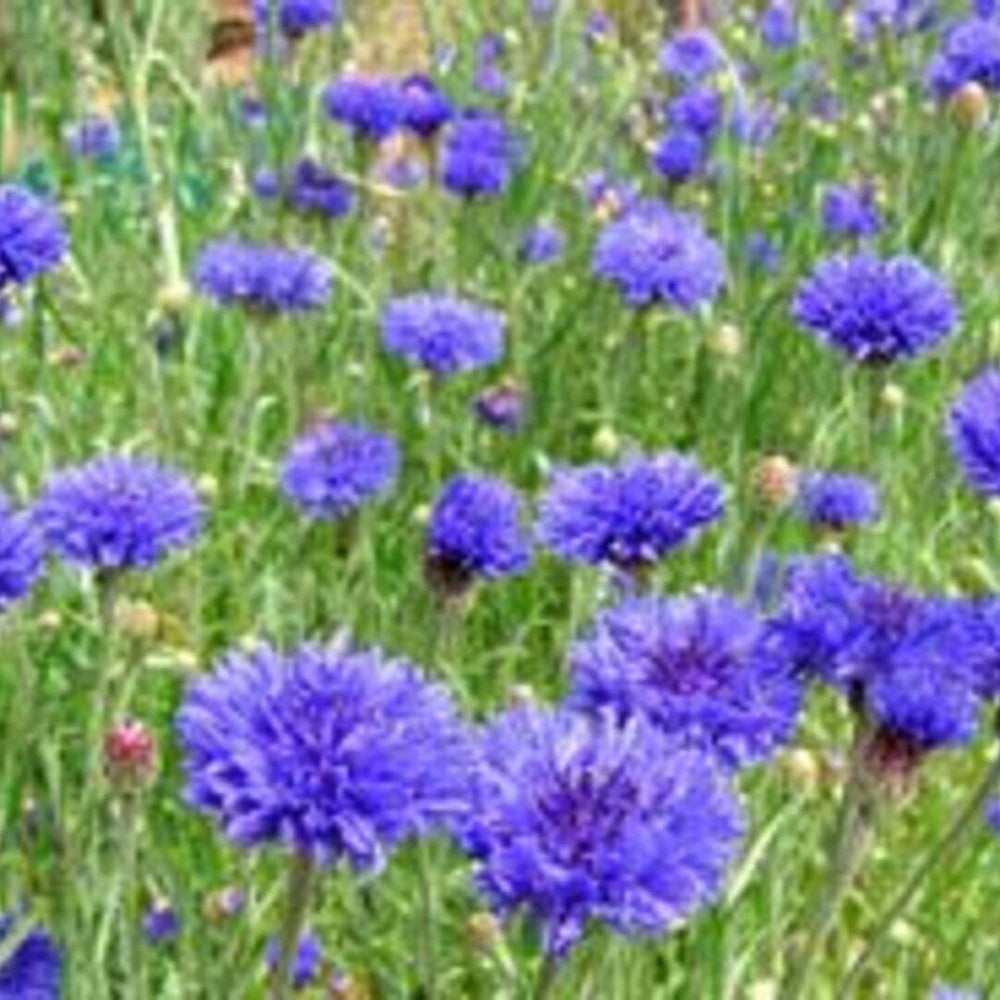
(33, 238)
(974, 431)
(118, 512)
(305, 964)
(130, 755)
(33, 971)
(970, 105)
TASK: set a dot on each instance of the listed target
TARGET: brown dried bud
(775, 481)
(970, 105)
(483, 931)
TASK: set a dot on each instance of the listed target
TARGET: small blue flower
(835, 500)
(426, 108)
(763, 252)
(267, 278)
(316, 189)
(778, 25)
(680, 155)
(628, 515)
(296, 17)
(974, 431)
(654, 254)
(161, 922)
(542, 243)
(94, 137)
(307, 962)
(22, 554)
(118, 512)
(33, 239)
(479, 156)
(578, 821)
(502, 406)
(476, 530)
(698, 109)
(374, 107)
(851, 211)
(328, 750)
(34, 970)
(876, 310)
(442, 333)
(692, 55)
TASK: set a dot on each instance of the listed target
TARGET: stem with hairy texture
(546, 979)
(300, 883)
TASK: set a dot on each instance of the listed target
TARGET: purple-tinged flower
(542, 9)
(313, 188)
(490, 47)
(876, 310)
(763, 252)
(895, 17)
(502, 406)
(33, 239)
(331, 751)
(600, 24)
(628, 515)
(266, 183)
(337, 466)
(22, 554)
(542, 243)
(306, 963)
(656, 254)
(426, 108)
(609, 196)
(93, 137)
(11, 315)
(703, 668)
(372, 106)
(969, 52)
(491, 79)
(851, 211)
(266, 278)
(692, 55)
(476, 531)
(753, 123)
(34, 970)
(161, 922)
(252, 111)
(698, 109)
(442, 333)
(580, 820)
(680, 155)
(942, 991)
(993, 814)
(297, 17)
(118, 512)
(479, 156)
(778, 25)
(974, 431)
(836, 501)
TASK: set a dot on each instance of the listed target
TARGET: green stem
(963, 824)
(300, 883)
(128, 931)
(428, 918)
(547, 974)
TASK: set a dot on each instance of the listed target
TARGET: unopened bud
(606, 441)
(970, 105)
(483, 931)
(775, 481)
(67, 356)
(893, 397)
(801, 767)
(9, 425)
(136, 619)
(521, 696)
(130, 755)
(225, 903)
(173, 296)
(726, 340)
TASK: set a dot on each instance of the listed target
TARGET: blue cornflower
(968, 52)
(480, 154)
(753, 123)
(692, 55)
(33, 239)
(22, 553)
(337, 466)
(607, 195)
(94, 137)
(598, 26)
(118, 512)
(680, 155)
(476, 530)
(851, 211)
(426, 108)
(331, 751)
(835, 500)
(579, 820)
(542, 243)
(654, 253)
(778, 26)
(703, 668)
(267, 278)
(161, 922)
(628, 515)
(698, 109)
(313, 188)
(34, 970)
(266, 183)
(762, 251)
(502, 406)
(974, 431)
(307, 962)
(442, 333)
(296, 17)
(876, 310)
(491, 79)
(373, 106)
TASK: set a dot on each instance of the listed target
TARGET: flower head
(876, 310)
(296, 17)
(969, 52)
(476, 530)
(851, 211)
(479, 155)
(836, 500)
(680, 155)
(33, 239)
(442, 333)
(426, 108)
(628, 515)
(698, 109)
(34, 970)
(315, 189)
(692, 55)
(778, 25)
(372, 106)
(337, 466)
(656, 254)
(974, 431)
(118, 512)
(703, 668)
(94, 137)
(268, 278)
(542, 243)
(161, 922)
(329, 750)
(579, 820)
(502, 406)
(22, 553)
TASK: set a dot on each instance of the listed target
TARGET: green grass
(226, 403)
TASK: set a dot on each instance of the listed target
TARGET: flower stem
(949, 841)
(546, 977)
(300, 883)
(428, 918)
